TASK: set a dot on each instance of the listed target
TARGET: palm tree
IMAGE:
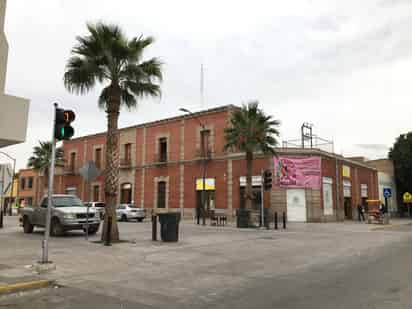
(41, 159)
(105, 55)
(250, 131)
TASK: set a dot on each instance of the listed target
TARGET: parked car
(99, 207)
(68, 213)
(126, 212)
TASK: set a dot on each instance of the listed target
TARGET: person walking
(361, 215)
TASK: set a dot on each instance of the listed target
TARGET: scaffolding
(309, 140)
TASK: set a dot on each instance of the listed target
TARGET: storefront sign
(345, 171)
(209, 184)
(295, 172)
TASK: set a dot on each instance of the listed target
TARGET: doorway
(209, 200)
(347, 206)
(126, 193)
(296, 205)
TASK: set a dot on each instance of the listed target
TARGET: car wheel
(27, 226)
(56, 228)
(124, 218)
(140, 219)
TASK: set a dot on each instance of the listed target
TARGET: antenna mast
(202, 100)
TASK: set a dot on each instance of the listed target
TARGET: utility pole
(45, 245)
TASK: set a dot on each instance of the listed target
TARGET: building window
(96, 193)
(30, 183)
(204, 140)
(128, 153)
(163, 149)
(72, 162)
(161, 194)
(23, 183)
(98, 157)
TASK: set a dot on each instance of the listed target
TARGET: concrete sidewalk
(209, 261)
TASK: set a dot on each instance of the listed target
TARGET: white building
(13, 110)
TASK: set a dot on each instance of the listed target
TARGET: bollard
(154, 228)
(284, 220)
(1, 218)
(276, 220)
(109, 232)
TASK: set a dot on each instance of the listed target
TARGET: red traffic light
(69, 116)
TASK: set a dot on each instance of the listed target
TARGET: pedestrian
(382, 210)
(361, 215)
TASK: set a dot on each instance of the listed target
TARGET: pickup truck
(68, 213)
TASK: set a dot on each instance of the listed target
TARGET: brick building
(161, 167)
(31, 186)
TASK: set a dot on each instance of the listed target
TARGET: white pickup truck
(68, 213)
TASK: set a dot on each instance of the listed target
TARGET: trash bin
(242, 218)
(169, 226)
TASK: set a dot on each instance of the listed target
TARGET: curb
(389, 226)
(24, 286)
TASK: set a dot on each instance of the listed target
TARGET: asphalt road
(378, 280)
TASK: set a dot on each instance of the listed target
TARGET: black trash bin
(169, 226)
(242, 218)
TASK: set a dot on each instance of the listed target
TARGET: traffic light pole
(45, 244)
(262, 192)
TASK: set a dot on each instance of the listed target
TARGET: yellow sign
(345, 171)
(407, 197)
(209, 184)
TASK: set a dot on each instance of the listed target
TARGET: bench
(218, 217)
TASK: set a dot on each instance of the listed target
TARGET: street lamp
(12, 181)
(204, 154)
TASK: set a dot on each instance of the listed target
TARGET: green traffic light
(62, 132)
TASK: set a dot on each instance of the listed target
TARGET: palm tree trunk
(249, 171)
(112, 164)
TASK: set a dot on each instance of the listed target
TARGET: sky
(343, 66)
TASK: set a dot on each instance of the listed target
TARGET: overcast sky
(344, 66)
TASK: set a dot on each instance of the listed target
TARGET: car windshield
(99, 205)
(132, 206)
(67, 201)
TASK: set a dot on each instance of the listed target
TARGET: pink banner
(297, 172)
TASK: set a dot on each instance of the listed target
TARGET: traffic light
(267, 180)
(62, 128)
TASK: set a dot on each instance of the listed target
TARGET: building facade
(386, 179)
(13, 110)
(161, 167)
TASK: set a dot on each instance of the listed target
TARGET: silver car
(126, 212)
(99, 207)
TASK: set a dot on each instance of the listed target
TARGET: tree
(250, 131)
(41, 159)
(105, 55)
(401, 156)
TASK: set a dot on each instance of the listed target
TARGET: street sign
(407, 197)
(387, 192)
(90, 171)
(6, 178)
